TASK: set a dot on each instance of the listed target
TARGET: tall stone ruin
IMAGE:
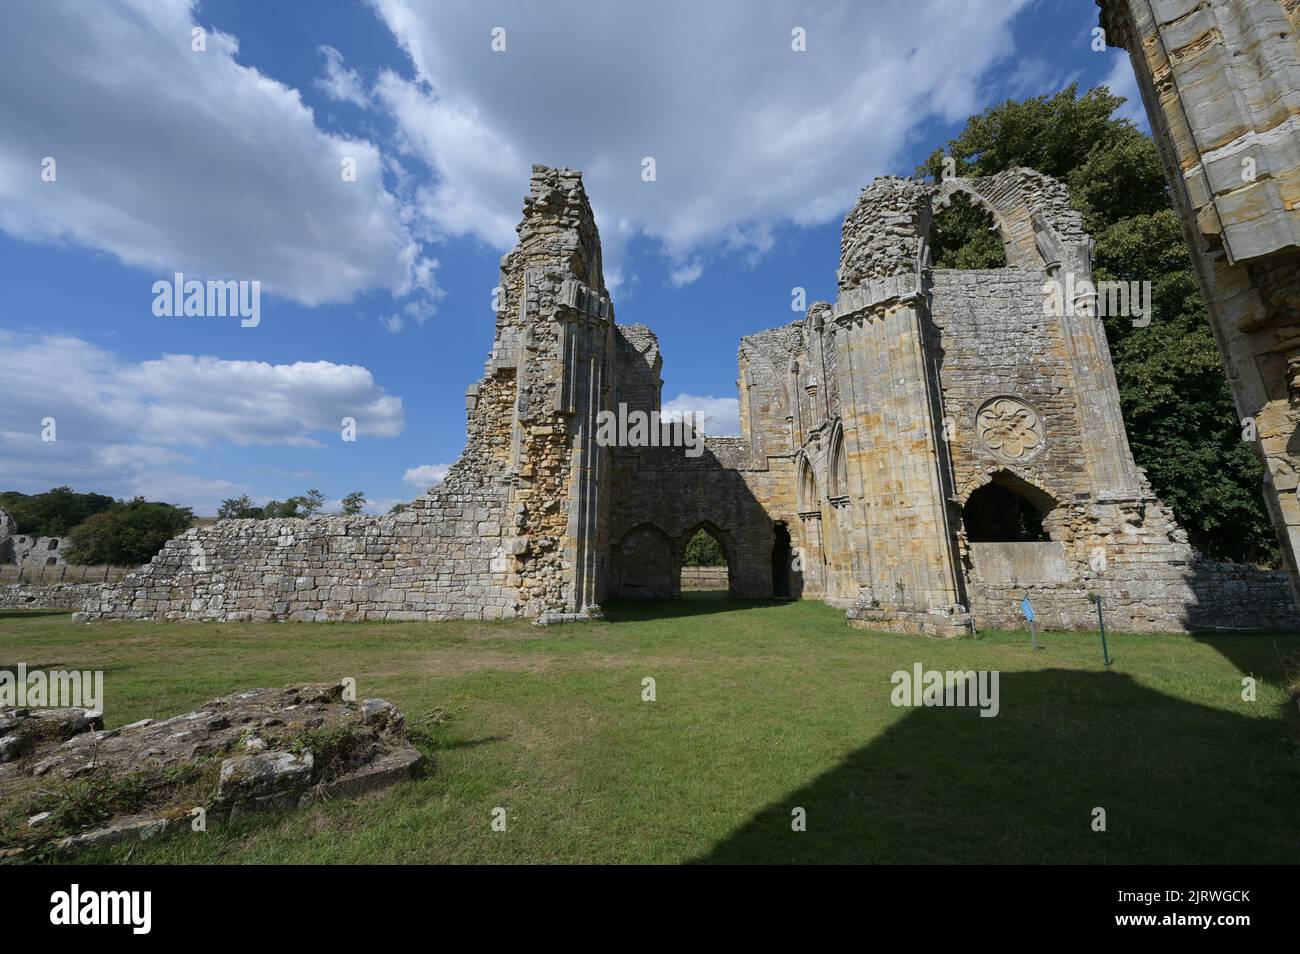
(895, 444)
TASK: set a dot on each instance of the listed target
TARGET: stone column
(1220, 81)
(893, 449)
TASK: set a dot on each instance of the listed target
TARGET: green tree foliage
(53, 513)
(353, 502)
(234, 508)
(303, 505)
(310, 502)
(127, 534)
(1177, 405)
(704, 550)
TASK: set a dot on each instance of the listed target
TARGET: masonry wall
(69, 596)
(440, 559)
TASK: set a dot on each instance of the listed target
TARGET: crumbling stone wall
(26, 550)
(867, 425)
(33, 552)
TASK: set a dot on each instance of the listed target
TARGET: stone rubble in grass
(258, 746)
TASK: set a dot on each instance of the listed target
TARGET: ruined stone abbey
(924, 452)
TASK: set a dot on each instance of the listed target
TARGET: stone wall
(704, 578)
(37, 551)
(69, 596)
(440, 559)
(26, 550)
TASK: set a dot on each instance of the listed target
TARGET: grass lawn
(760, 708)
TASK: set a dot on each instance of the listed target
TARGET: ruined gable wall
(996, 342)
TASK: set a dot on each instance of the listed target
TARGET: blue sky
(224, 163)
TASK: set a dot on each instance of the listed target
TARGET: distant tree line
(303, 505)
(99, 529)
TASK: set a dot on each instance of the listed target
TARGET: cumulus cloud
(745, 132)
(340, 82)
(132, 427)
(176, 159)
(426, 475)
(718, 417)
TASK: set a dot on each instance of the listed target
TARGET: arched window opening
(996, 513)
(808, 496)
(839, 474)
(964, 235)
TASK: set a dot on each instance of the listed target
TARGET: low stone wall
(1204, 596)
(70, 596)
(704, 578)
(443, 558)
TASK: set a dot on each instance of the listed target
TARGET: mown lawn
(761, 708)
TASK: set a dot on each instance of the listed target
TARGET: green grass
(760, 708)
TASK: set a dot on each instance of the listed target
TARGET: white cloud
(130, 428)
(687, 273)
(340, 82)
(426, 475)
(417, 312)
(172, 159)
(745, 132)
(718, 417)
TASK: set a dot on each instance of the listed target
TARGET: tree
(398, 508)
(239, 508)
(53, 513)
(704, 550)
(127, 534)
(1177, 406)
(353, 502)
(282, 508)
(311, 502)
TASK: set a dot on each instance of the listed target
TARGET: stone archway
(646, 564)
(725, 544)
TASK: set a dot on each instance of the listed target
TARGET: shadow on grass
(1179, 783)
(1272, 657)
(691, 603)
(31, 614)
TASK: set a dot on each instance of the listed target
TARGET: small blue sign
(1027, 609)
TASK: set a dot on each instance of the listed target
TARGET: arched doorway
(782, 558)
(705, 570)
(645, 564)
